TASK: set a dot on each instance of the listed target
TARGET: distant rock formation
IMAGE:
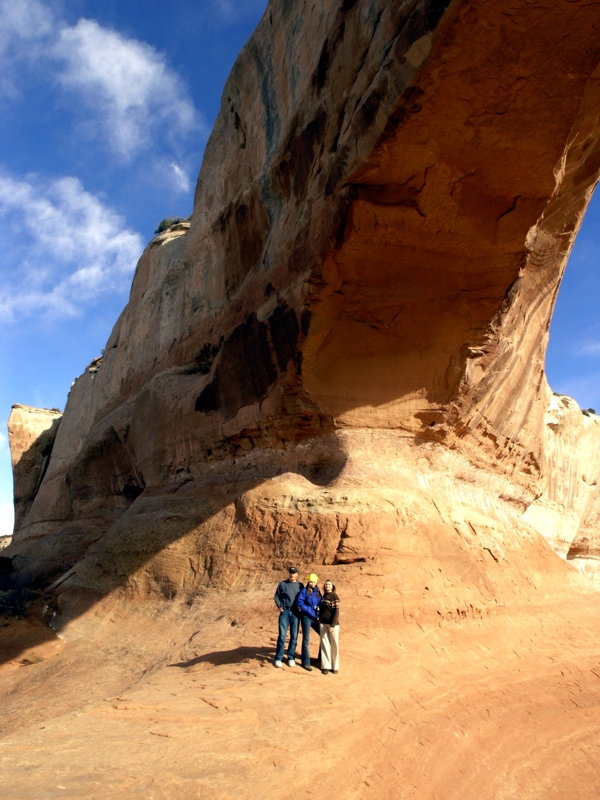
(32, 432)
(571, 471)
(341, 360)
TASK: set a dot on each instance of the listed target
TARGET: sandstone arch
(339, 362)
(381, 220)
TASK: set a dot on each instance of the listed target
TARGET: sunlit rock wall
(31, 433)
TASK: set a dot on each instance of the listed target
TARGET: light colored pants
(330, 647)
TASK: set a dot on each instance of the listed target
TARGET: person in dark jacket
(308, 605)
(285, 599)
(329, 628)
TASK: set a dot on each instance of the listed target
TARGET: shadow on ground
(239, 655)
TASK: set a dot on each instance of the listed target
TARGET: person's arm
(276, 598)
(336, 611)
(301, 602)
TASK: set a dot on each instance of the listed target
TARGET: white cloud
(3, 441)
(128, 95)
(23, 26)
(126, 83)
(62, 248)
(182, 181)
(23, 21)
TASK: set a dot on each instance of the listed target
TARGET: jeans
(287, 619)
(307, 623)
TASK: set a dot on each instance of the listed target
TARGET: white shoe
(291, 662)
(278, 664)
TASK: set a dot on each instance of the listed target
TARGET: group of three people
(305, 606)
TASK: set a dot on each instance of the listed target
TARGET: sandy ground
(189, 705)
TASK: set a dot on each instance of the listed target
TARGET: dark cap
(292, 569)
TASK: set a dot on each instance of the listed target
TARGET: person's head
(293, 574)
(328, 586)
(311, 581)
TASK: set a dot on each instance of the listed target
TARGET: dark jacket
(329, 609)
(308, 602)
(286, 593)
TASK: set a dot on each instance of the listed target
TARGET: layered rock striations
(341, 360)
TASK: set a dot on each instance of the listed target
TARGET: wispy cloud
(22, 21)
(126, 84)
(62, 248)
(3, 441)
(24, 24)
(181, 178)
(129, 96)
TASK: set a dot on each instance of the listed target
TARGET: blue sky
(105, 109)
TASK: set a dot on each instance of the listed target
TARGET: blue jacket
(307, 603)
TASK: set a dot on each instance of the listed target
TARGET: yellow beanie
(312, 577)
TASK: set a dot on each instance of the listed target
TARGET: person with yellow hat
(308, 604)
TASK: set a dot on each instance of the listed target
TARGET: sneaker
(307, 668)
(291, 662)
(278, 664)
(334, 672)
(325, 671)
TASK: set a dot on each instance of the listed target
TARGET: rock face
(571, 451)
(341, 360)
(31, 432)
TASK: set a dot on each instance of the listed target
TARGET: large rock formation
(342, 360)
(339, 363)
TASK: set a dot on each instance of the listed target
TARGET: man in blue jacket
(285, 600)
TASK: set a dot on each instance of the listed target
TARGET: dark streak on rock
(250, 362)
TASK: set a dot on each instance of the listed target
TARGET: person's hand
(280, 610)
